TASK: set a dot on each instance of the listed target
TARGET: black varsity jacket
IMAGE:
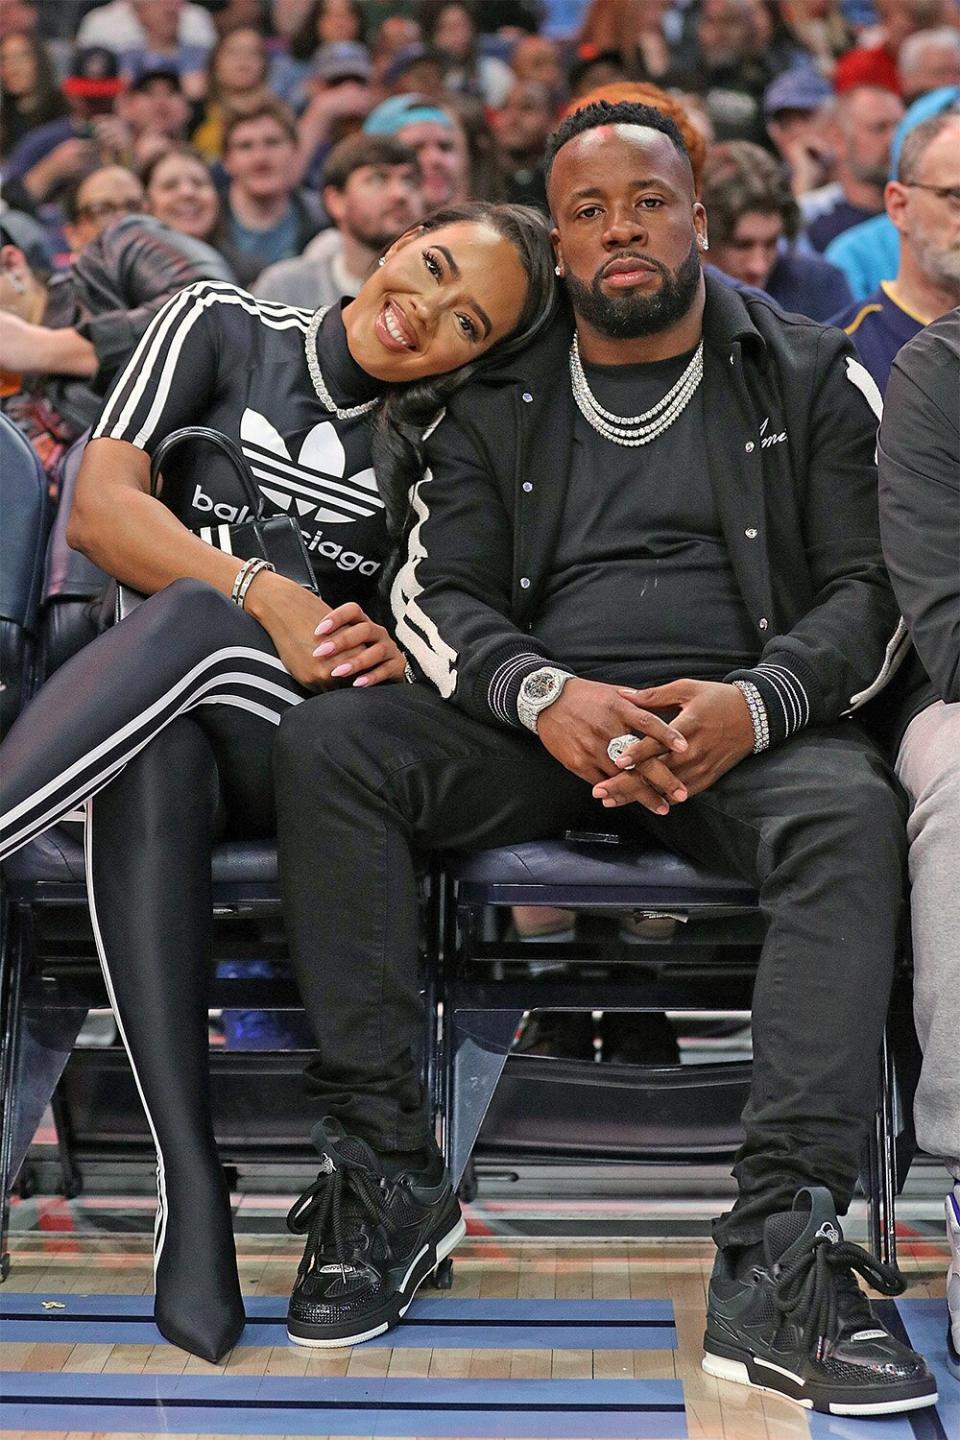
(793, 422)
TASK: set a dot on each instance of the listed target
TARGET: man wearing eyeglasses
(100, 198)
(924, 205)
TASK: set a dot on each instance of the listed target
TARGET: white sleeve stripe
(499, 686)
(237, 297)
(776, 691)
(804, 700)
(168, 369)
(783, 689)
(499, 683)
(140, 368)
(793, 684)
(860, 376)
(136, 373)
(128, 376)
(416, 632)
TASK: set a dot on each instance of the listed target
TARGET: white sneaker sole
(722, 1368)
(343, 1342)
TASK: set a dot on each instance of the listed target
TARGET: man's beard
(939, 263)
(629, 317)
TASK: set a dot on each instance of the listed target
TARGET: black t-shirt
(642, 590)
(216, 356)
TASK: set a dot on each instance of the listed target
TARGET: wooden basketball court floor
(537, 1338)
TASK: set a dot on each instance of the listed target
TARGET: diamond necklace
(633, 430)
(316, 375)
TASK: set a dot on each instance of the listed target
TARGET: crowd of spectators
(282, 144)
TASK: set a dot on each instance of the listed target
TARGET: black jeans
(367, 782)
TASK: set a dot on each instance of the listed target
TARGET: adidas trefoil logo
(312, 486)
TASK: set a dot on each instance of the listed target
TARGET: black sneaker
(802, 1327)
(371, 1241)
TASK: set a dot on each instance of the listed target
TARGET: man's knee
(343, 730)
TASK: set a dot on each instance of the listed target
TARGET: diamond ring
(618, 744)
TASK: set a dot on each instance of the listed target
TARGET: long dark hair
(50, 102)
(304, 42)
(409, 409)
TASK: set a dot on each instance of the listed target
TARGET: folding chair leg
(882, 1164)
(44, 1046)
(11, 965)
(481, 1044)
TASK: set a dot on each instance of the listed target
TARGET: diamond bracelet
(758, 714)
(246, 575)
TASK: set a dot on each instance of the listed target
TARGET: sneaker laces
(341, 1197)
(806, 1289)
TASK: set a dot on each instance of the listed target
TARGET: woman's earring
(382, 260)
(557, 270)
(16, 282)
(704, 244)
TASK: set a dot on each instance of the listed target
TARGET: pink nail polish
(327, 648)
(323, 627)
(362, 680)
(340, 671)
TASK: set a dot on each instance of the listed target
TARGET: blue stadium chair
(25, 515)
(707, 964)
(72, 584)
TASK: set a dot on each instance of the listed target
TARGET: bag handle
(228, 447)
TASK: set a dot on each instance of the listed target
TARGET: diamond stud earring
(382, 260)
(557, 270)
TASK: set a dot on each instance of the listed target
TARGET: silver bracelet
(758, 714)
(246, 575)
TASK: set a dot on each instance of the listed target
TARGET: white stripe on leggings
(160, 1225)
(144, 719)
(103, 777)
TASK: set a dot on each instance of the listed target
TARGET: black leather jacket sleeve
(123, 278)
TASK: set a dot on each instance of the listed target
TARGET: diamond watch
(539, 690)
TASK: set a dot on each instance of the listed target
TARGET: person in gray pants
(919, 456)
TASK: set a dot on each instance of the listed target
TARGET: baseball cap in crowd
(342, 60)
(799, 89)
(139, 77)
(94, 74)
(400, 110)
(410, 55)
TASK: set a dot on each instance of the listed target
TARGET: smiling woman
(181, 193)
(178, 740)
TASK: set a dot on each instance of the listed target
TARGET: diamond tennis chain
(316, 375)
(634, 429)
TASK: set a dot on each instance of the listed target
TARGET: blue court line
(924, 1323)
(430, 1323)
(259, 1405)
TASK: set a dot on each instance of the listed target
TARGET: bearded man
(643, 583)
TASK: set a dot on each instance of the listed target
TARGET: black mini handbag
(276, 538)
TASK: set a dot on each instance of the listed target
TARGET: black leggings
(169, 720)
